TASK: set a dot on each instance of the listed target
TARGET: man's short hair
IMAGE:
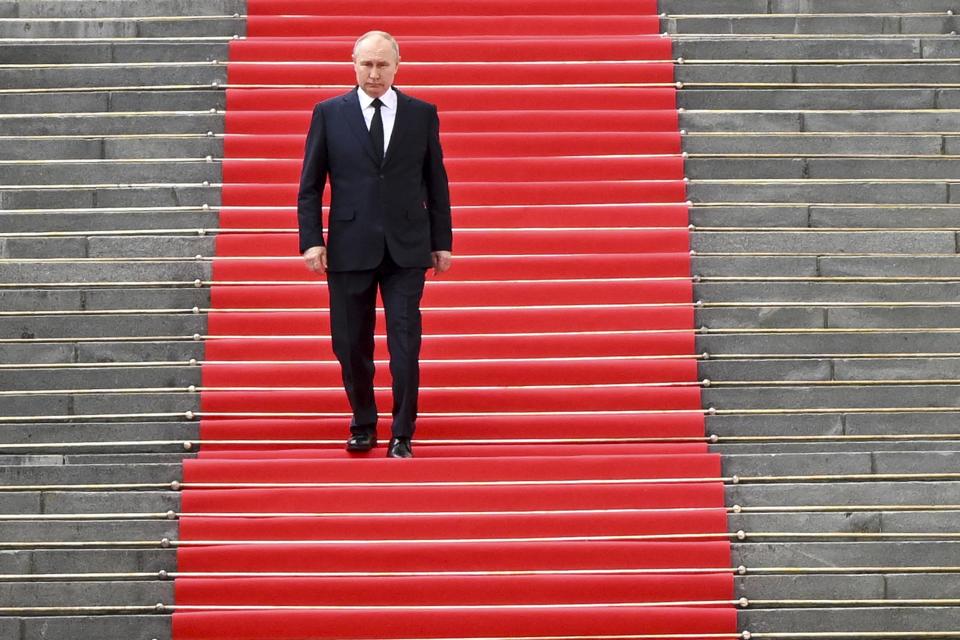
(383, 34)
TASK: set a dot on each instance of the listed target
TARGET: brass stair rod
(739, 571)
(177, 485)
(190, 445)
(166, 543)
(192, 415)
(735, 509)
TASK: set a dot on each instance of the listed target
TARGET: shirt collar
(389, 99)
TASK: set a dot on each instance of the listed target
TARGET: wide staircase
(694, 372)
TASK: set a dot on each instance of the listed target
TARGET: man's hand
(441, 261)
(316, 259)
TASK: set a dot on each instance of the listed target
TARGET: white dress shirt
(388, 111)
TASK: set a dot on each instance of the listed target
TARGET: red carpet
(562, 484)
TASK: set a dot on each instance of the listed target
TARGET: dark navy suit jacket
(403, 204)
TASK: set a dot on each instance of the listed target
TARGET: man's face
(376, 65)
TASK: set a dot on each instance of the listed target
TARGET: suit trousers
(353, 317)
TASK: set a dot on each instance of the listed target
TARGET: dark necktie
(376, 130)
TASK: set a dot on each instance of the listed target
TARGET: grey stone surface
(753, 266)
(44, 248)
(174, 402)
(227, 27)
(20, 502)
(795, 464)
(921, 585)
(164, 454)
(111, 172)
(761, 317)
(889, 317)
(710, 99)
(163, 195)
(883, 619)
(33, 273)
(881, 168)
(817, 447)
(126, 351)
(914, 521)
(29, 406)
(32, 594)
(889, 217)
(713, 6)
(853, 6)
(811, 143)
(725, 168)
(906, 423)
(892, 121)
(104, 560)
(829, 343)
(110, 502)
(797, 425)
(932, 462)
(167, 52)
(108, 220)
(151, 246)
(760, 370)
(939, 47)
(10, 628)
(106, 627)
(739, 216)
(40, 299)
(52, 432)
(192, 121)
(197, 75)
(742, 72)
(845, 493)
(759, 48)
(41, 353)
(834, 397)
(89, 474)
(46, 199)
(801, 191)
(866, 24)
(879, 293)
(897, 369)
(126, 8)
(845, 554)
(101, 52)
(186, 100)
(41, 531)
(94, 378)
(28, 28)
(181, 325)
(820, 242)
(198, 147)
(756, 524)
(709, 120)
(810, 587)
(32, 148)
(939, 267)
(32, 103)
(889, 73)
(185, 297)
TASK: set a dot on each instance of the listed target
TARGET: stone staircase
(822, 170)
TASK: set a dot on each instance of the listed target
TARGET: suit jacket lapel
(398, 128)
(354, 117)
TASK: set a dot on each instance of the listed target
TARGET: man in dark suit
(389, 222)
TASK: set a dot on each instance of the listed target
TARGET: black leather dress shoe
(399, 448)
(362, 442)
